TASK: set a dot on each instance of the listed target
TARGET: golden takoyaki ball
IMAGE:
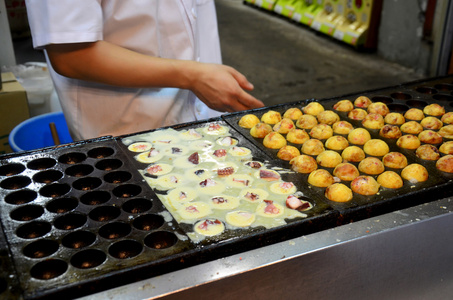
(434, 110)
(394, 160)
(248, 121)
(297, 136)
(414, 114)
(293, 113)
(394, 118)
(284, 126)
(336, 142)
(390, 132)
(313, 108)
(321, 132)
(260, 130)
(353, 154)
(338, 192)
(371, 166)
(376, 147)
(271, 117)
(427, 152)
(378, 108)
(307, 122)
(430, 137)
(327, 117)
(357, 114)
(390, 180)
(312, 147)
(288, 152)
(411, 127)
(343, 105)
(415, 173)
(445, 164)
(359, 136)
(362, 102)
(274, 140)
(408, 141)
(446, 148)
(447, 118)
(342, 127)
(320, 178)
(447, 131)
(329, 159)
(373, 121)
(365, 185)
(346, 172)
(303, 164)
(432, 123)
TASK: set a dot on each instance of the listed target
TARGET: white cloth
(179, 29)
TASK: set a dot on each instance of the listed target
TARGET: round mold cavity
(118, 177)
(125, 249)
(47, 176)
(78, 239)
(72, 158)
(41, 163)
(400, 96)
(15, 183)
(49, 269)
(87, 183)
(100, 152)
(11, 169)
(33, 230)
(109, 164)
(127, 191)
(79, 170)
(426, 90)
(88, 259)
(62, 205)
(54, 190)
(443, 97)
(148, 222)
(114, 230)
(21, 197)
(383, 99)
(104, 213)
(40, 249)
(27, 213)
(416, 103)
(70, 221)
(95, 198)
(444, 87)
(398, 107)
(137, 206)
(161, 240)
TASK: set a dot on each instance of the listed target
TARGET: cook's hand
(223, 88)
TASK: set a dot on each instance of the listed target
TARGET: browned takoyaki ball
(297, 136)
(357, 114)
(371, 166)
(271, 117)
(274, 140)
(346, 172)
(284, 126)
(446, 131)
(338, 192)
(303, 164)
(434, 110)
(447, 118)
(353, 154)
(430, 137)
(260, 130)
(313, 108)
(394, 160)
(327, 117)
(343, 105)
(293, 113)
(320, 178)
(415, 173)
(329, 159)
(390, 132)
(342, 127)
(362, 102)
(427, 152)
(378, 108)
(288, 152)
(359, 136)
(373, 121)
(336, 142)
(248, 121)
(408, 141)
(445, 164)
(414, 114)
(307, 122)
(321, 132)
(432, 123)
(365, 185)
(394, 118)
(376, 147)
(411, 127)
(446, 148)
(390, 180)
(313, 147)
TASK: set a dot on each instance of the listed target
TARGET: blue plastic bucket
(35, 133)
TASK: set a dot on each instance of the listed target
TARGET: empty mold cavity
(118, 177)
(442, 97)
(55, 190)
(78, 239)
(11, 169)
(148, 222)
(87, 183)
(62, 205)
(383, 99)
(33, 230)
(27, 213)
(161, 240)
(100, 152)
(127, 191)
(444, 87)
(15, 183)
(137, 206)
(426, 90)
(72, 158)
(21, 197)
(109, 164)
(125, 249)
(104, 213)
(398, 107)
(49, 269)
(41, 163)
(401, 96)
(40, 249)
(114, 230)
(70, 221)
(88, 259)
(95, 197)
(416, 103)
(79, 170)
(47, 176)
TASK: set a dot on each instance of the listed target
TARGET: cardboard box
(13, 108)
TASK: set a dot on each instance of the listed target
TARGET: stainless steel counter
(406, 254)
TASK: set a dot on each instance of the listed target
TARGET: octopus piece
(346, 172)
(371, 166)
(274, 140)
(430, 137)
(353, 154)
(411, 127)
(297, 136)
(271, 117)
(194, 158)
(447, 118)
(284, 126)
(338, 192)
(321, 132)
(357, 114)
(432, 123)
(336, 142)
(434, 110)
(288, 152)
(271, 208)
(306, 122)
(294, 202)
(394, 118)
(390, 180)
(329, 159)
(414, 114)
(378, 108)
(254, 164)
(248, 121)
(154, 169)
(447, 131)
(362, 102)
(376, 147)
(260, 130)
(225, 171)
(327, 117)
(408, 141)
(303, 164)
(269, 175)
(394, 160)
(313, 108)
(446, 148)
(342, 127)
(390, 132)
(312, 147)
(373, 121)
(445, 164)
(365, 185)
(427, 152)
(415, 173)
(220, 153)
(293, 113)
(320, 178)
(343, 105)
(359, 136)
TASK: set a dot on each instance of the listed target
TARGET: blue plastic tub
(35, 133)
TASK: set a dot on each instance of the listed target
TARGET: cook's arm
(219, 86)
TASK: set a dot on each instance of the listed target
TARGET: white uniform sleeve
(64, 21)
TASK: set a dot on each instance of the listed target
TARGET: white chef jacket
(178, 29)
